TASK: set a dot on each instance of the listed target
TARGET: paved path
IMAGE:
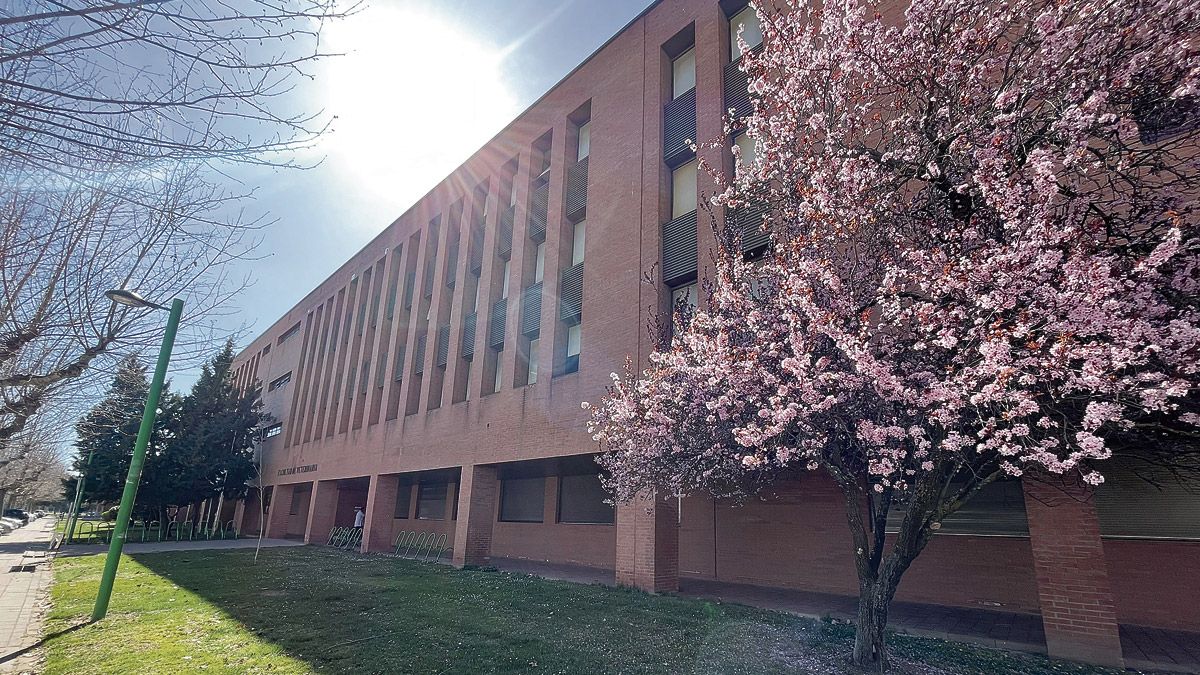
(24, 582)
(161, 546)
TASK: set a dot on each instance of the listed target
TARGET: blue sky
(484, 60)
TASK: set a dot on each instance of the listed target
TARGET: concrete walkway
(24, 582)
(163, 546)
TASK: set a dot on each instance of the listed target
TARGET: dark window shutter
(496, 323)
(443, 346)
(571, 294)
(468, 338)
(539, 201)
(679, 127)
(419, 354)
(531, 309)
(576, 197)
(679, 250)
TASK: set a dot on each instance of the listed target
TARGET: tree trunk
(870, 651)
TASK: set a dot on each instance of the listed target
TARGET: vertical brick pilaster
(647, 555)
(478, 490)
(277, 514)
(322, 509)
(1078, 611)
(381, 507)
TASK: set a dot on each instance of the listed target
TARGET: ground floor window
(431, 501)
(299, 499)
(523, 500)
(403, 500)
(998, 509)
(581, 499)
(1147, 503)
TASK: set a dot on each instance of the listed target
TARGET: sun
(413, 96)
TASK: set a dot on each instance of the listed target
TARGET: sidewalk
(162, 546)
(24, 581)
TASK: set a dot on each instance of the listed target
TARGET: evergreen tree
(108, 433)
(212, 450)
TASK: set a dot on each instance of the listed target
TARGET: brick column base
(478, 490)
(381, 507)
(322, 509)
(647, 554)
(1078, 611)
(277, 511)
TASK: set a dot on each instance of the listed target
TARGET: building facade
(436, 378)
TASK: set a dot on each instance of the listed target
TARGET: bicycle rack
(146, 528)
(424, 546)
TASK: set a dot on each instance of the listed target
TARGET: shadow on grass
(315, 609)
(344, 612)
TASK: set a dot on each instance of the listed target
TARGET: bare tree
(62, 247)
(117, 121)
(136, 81)
(32, 468)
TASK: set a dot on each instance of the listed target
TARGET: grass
(304, 610)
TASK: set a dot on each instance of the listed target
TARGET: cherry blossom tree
(984, 265)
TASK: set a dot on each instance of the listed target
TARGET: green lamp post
(131, 299)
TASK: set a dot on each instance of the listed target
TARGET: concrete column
(322, 509)
(478, 490)
(277, 514)
(1078, 612)
(647, 555)
(381, 507)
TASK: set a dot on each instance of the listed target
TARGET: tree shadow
(45, 638)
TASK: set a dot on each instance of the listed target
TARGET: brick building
(436, 377)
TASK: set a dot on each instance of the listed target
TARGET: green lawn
(301, 610)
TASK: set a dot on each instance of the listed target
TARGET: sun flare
(414, 95)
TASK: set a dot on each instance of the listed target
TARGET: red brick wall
(1155, 583)
(796, 536)
(1078, 611)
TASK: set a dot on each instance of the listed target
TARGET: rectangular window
(684, 295)
(403, 501)
(581, 500)
(747, 21)
(745, 146)
(431, 501)
(578, 241)
(289, 333)
(683, 304)
(539, 264)
(496, 382)
(273, 430)
(266, 350)
(280, 381)
(683, 73)
(466, 379)
(584, 145)
(300, 495)
(683, 190)
(574, 337)
(512, 192)
(504, 281)
(531, 374)
(523, 500)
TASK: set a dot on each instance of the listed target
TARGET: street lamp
(132, 299)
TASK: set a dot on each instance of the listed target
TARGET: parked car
(10, 524)
(18, 514)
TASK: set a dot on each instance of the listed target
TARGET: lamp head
(129, 298)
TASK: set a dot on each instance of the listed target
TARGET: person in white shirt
(359, 517)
